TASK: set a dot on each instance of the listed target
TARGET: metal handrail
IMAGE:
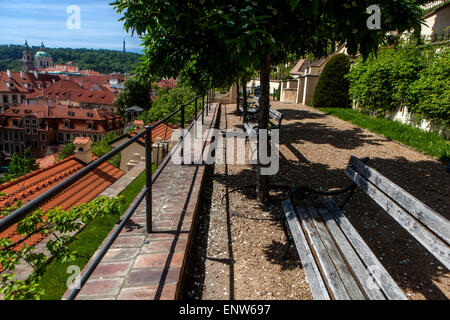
(21, 212)
(145, 193)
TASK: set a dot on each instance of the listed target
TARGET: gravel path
(238, 241)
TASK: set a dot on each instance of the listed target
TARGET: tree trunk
(262, 182)
(237, 95)
(244, 96)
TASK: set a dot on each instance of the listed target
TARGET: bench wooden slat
(428, 239)
(326, 265)
(387, 284)
(430, 218)
(352, 258)
(346, 276)
(318, 289)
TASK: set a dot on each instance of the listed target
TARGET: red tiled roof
(163, 131)
(19, 79)
(35, 183)
(61, 112)
(81, 140)
(68, 89)
(168, 83)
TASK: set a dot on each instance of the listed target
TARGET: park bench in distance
(337, 262)
(252, 127)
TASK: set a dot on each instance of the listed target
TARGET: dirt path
(238, 241)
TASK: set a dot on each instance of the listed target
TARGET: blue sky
(45, 20)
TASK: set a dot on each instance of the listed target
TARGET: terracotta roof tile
(35, 183)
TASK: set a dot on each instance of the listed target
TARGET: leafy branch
(56, 222)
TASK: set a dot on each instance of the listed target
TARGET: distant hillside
(104, 61)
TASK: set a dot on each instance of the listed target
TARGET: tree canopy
(135, 93)
(219, 39)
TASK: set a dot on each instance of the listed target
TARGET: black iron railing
(146, 193)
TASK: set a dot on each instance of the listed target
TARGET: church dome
(42, 54)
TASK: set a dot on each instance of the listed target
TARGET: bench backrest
(276, 115)
(428, 227)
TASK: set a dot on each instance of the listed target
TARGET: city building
(42, 59)
(81, 93)
(44, 127)
(135, 153)
(16, 86)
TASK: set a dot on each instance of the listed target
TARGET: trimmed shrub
(332, 89)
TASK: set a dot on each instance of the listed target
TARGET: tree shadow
(319, 133)
(427, 180)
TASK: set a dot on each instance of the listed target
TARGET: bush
(169, 101)
(67, 151)
(332, 89)
(413, 76)
(102, 147)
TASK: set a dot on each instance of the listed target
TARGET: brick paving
(141, 266)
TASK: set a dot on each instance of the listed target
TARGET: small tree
(21, 165)
(332, 89)
(67, 151)
(135, 93)
(102, 147)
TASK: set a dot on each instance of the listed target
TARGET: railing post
(203, 109)
(195, 109)
(182, 134)
(207, 102)
(148, 178)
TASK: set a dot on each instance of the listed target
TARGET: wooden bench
(252, 128)
(337, 262)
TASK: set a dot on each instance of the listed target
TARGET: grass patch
(429, 143)
(86, 242)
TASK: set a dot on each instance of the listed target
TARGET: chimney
(22, 74)
(138, 125)
(8, 72)
(36, 75)
(83, 149)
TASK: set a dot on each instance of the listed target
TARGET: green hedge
(332, 88)
(417, 77)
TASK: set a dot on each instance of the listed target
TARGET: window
(34, 121)
(90, 125)
(17, 149)
(60, 137)
(28, 130)
(16, 135)
(35, 144)
(68, 136)
(15, 123)
(7, 147)
(44, 147)
(34, 131)
(66, 123)
(27, 121)
(43, 137)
